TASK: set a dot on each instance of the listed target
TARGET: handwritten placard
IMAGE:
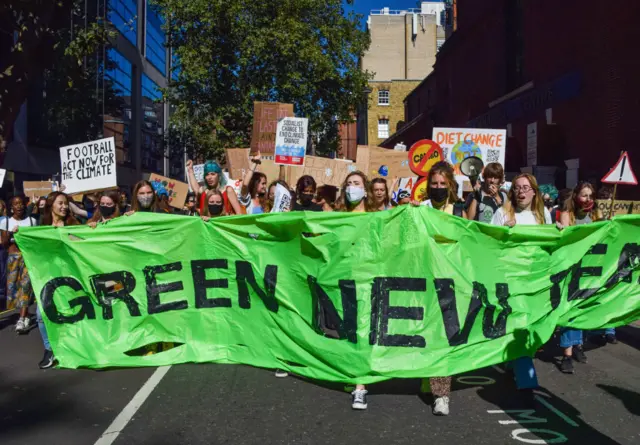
(176, 191)
(89, 166)
(265, 125)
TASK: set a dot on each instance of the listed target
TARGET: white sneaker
(441, 406)
(21, 324)
(281, 374)
(359, 399)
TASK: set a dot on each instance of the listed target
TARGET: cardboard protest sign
(291, 141)
(265, 123)
(619, 207)
(423, 155)
(378, 162)
(176, 190)
(324, 170)
(37, 188)
(89, 166)
(238, 163)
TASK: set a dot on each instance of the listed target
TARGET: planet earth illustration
(463, 150)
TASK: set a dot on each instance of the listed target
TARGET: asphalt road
(226, 404)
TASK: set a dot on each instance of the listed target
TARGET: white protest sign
(3, 172)
(291, 141)
(282, 200)
(198, 170)
(89, 166)
(460, 143)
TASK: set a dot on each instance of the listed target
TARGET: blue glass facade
(123, 15)
(118, 74)
(154, 50)
(152, 126)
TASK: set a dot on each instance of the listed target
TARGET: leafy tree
(234, 52)
(52, 39)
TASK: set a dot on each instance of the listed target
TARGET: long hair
(444, 169)
(386, 199)
(115, 197)
(304, 182)
(570, 203)
(342, 205)
(135, 205)
(537, 204)
(3, 208)
(253, 188)
(209, 194)
(47, 216)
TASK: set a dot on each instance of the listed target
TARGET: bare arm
(473, 208)
(565, 220)
(255, 160)
(77, 210)
(233, 201)
(283, 173)
(191, 177)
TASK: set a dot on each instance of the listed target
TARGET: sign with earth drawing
(460, 143)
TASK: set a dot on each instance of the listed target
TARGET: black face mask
(215, 209)
(107, 211)
(438, 195)
(306, 198)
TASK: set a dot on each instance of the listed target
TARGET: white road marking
(120, 422)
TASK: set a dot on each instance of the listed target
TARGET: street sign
(621, 173)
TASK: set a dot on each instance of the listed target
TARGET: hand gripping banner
(410, 292)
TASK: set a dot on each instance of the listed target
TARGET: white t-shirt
(524, 218)
(10, 223)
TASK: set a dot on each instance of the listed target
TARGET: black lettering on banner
(245, 277)
(154, 289)
(325, 318)
(445, 289)
(491, 329)
(629, 260)
(555, 291)
(577, 272)
(201, 284)
(106, 294)
(49, 306)
(382, 312)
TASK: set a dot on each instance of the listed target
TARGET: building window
(383, 97)
(152, 126)
(154, 49)
(383, 128)
(118, 74)
(123, 15)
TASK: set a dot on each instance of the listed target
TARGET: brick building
(402, 52)
(561, 77)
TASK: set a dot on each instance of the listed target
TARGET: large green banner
(410, 292)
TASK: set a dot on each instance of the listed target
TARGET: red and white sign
(621, 173)
(291, 141)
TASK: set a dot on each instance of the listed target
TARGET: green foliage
(234, 52)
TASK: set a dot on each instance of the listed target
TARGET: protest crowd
(491, 201)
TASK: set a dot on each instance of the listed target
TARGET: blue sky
(364, 6)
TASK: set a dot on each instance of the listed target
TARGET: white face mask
(145, 201)
(355, 194)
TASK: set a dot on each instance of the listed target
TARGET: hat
(402, 194)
